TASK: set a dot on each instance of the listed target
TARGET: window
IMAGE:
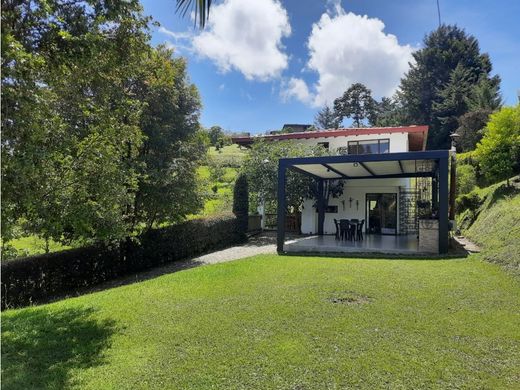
(330, 209)
(376, 146)
(324, 144)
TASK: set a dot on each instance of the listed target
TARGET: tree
(326, 119)
(498, 152)
(356, 103)
(389, 112)
(261, 168)
(200, 8)
(241, 202)
(423, 89)
(173, 147)
(100, 129)
(70, 118)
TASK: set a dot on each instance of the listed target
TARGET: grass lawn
(278, 322)
(33, 245)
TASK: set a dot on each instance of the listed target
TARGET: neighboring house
(390, 182)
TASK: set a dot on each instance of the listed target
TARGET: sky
(261, 63)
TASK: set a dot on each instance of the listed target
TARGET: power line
(439, 12)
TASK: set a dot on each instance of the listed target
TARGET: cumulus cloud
(246, 36)
(346, 48)
(295, 88)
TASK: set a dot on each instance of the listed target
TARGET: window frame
(378, 140)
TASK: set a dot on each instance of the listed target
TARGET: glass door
(381, 213)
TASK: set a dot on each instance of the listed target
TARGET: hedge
(38, 278)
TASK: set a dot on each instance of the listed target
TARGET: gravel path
(256, 245)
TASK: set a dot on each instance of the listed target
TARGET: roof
(368, 166)
(417, 135)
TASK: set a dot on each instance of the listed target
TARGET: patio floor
(372, 243)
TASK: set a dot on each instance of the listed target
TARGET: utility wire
(439, 12)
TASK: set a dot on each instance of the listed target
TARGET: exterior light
(356, 164)
(454, 138)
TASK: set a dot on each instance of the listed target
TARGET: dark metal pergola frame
(439, 171)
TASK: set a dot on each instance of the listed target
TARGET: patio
(372, 243)
(433, 232)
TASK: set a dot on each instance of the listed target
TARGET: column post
(443, 205)
(280, 223)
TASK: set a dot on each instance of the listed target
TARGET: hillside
(218, 176)
(495, 223)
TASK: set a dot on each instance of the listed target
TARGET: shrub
(37, 278)
(241, 202)
(471, 202)
(466, 178)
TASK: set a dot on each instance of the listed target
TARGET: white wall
(357, 189)
(398, 141)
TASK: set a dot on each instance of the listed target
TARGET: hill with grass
(491, 219)
(217, 176)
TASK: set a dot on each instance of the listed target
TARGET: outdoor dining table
(353, 229)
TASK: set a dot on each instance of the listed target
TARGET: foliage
(241, 202)
(37, 278)
(261, 168)
(466, 178)
(389, 112)
(218, 138)
(92, 121)
(274, 322)
(471, 127)
(449, 64)
(498, 152)
(356, 103)
(200, 9)
(173, 145)
(326, 119)
(468, 201)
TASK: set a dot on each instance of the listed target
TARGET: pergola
(434, 164)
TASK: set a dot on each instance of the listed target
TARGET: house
(391, 183)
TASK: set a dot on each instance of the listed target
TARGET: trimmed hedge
(38, 278)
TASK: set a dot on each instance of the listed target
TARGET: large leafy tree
(261, 168)
(498, 152)
(450, 62)
(86, 102)
(69, 115)
(173, 143)
(356, 103)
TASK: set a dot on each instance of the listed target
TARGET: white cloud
(295, 88)
(346, 48)
(246, 36)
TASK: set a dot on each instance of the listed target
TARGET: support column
(435, 192)
(321, 208)
(280, 223)
(443, 206)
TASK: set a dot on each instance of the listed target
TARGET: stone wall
(429, 235)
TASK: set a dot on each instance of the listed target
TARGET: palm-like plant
(200, 7)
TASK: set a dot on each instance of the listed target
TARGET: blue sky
(262, 63)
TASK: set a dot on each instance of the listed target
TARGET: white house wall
(398, 141)
(357, 190)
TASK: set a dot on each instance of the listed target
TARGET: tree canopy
(445, 70)
(356, 103)
(92, 120)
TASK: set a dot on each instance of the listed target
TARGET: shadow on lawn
(40, 347)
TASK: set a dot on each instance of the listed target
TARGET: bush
(241, 202)
(471, 202)
(38, 278)
(466, 178)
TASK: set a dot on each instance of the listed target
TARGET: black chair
(353, 228)
(359, 230)
(336, 224)
(344, 225)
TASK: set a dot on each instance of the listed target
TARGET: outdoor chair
(353, 228)
(359, 231)
(344, 226)
(336, 224)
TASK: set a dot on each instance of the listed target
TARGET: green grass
(273, 322)
(495, 225)
(33, 245)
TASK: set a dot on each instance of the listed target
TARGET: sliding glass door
(381, 213)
